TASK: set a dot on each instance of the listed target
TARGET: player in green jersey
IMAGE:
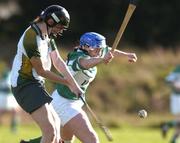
(82, 63)
(173, 79)
(8, 103)
(31, 66)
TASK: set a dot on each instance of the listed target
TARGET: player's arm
(94, 61)
(37, 65)
(61, 67)
(131, 56)
(89, 63)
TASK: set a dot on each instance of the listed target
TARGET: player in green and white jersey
(31, 66)
(173, 79)
(82, 63)
(8, 103)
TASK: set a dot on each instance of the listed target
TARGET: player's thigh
(66, 133)
(44, 118)
(57, 122)
(81, 127)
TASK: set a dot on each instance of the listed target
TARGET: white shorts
(66, 108)
(175, 104)
(7, 102)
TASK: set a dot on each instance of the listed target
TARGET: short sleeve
(53, 45)
(30, 44)
(74, 58)
(76, 64)
(104, 51)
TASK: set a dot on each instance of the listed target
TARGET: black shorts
(31, 96)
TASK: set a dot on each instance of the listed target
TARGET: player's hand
(132, 57)
(76, 90)
(108, 57)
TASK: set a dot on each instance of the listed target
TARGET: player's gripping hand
(108, 57)
(76, 90)
(132, 57)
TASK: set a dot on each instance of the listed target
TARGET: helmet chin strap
(49, 32)
(47, 28)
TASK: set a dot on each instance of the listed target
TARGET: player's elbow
(41, 72)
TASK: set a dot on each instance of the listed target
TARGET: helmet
(93, 40)
(58, 13)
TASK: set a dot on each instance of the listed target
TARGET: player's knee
(48, 129)
(49, 133)
(94, 137)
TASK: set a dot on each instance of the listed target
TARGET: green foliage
(24, 132)
(3, 68)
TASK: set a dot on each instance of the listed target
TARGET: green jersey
(82, 76)
(5, 83)
(173, 77)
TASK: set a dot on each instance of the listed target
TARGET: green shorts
(31, 96)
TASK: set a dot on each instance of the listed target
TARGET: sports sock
(173, 140)
(35, 140)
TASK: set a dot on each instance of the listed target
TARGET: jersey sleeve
(73, 60)
(76, 64)
(30, 44)
(53, 45)
(104, 51)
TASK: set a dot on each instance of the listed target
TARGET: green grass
(124, 134)
(24, 132)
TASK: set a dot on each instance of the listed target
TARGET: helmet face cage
(58, 14)
(92, 39)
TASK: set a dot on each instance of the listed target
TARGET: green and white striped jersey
(31, 44)
(173, 77)
(5, 86)
(82, 76)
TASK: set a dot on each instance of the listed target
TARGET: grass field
(125, 134)
(129, 131)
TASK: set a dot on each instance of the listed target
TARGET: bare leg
(45, 119)
(56, 122)
(81, 127)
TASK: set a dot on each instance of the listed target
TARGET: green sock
(173, 140)
(36, 140)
